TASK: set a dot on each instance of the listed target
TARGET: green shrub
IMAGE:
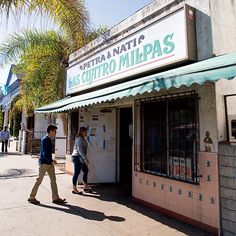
(16, 125)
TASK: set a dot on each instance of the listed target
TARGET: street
(108, 211)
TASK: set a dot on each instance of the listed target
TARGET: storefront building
(151, 93)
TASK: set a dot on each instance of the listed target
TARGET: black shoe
(33, 201)
(59, 201)
(79, 192)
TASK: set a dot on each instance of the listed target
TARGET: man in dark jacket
(46, 164)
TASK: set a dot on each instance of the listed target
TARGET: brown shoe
(59, 201)
(33, 201)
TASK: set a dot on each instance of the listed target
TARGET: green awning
(208, 70)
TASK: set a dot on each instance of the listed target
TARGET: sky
(111, 12)
(102, 13)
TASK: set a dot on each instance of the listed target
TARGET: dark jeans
(78, 166)
(4, 144)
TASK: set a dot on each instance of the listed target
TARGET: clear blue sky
(111, 12)
(102, 12)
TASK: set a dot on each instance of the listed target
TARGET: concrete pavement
(108, 211)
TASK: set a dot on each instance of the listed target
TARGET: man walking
(46, 164)
(4, 135)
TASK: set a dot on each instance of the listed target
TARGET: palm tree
(43, 56)
(70, 15)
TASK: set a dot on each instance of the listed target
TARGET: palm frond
(18, 44)
(70, 15)
(43, 80)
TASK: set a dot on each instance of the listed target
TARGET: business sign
(161, 43)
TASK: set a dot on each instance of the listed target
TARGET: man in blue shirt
(46, 164)
(4, 135)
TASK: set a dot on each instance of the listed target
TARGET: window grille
(169, 134)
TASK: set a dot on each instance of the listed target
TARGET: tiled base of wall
(197, 202)
(208, 228)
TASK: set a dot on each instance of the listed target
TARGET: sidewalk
(107, 212)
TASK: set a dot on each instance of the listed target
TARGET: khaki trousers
(50, 169)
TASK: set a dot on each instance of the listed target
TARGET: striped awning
(208, 70)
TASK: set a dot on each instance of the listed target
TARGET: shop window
(169, 134)
(233, 128)
(230, 112)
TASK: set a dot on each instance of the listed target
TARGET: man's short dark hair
(51, 127)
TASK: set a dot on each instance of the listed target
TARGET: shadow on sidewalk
(85, 213)
(114, 193)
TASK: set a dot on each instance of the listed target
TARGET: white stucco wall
(102, 143)
(223, 87)
(223, 13)
(207, 115)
